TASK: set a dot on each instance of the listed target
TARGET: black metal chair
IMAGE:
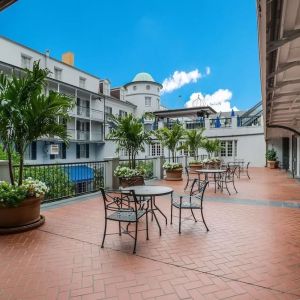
(190, 174)
(245, 170)
(226, 178)
(193, 201)
(123, 206)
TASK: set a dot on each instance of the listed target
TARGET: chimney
(68, 58)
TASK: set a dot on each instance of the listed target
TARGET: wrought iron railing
(66, 180)
(220, 123)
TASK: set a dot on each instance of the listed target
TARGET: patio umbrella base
(23, 228)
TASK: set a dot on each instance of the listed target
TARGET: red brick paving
(250, 252)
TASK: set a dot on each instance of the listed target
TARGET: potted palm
(129, 134)
(271, 156)
(212, 147)
(27, 114)
(193, 141)
(170, 138)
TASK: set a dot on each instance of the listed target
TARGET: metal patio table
(215, 172)
(152, 191)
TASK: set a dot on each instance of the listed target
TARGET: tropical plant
(130, 136)
(211, 146)
(12, 196)
(27, 113)
(193, 141)
(170, 137)
(271, 155)
(171, 166)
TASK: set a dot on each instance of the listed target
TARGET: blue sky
(116, 39)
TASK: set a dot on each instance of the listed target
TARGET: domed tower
(144, 92)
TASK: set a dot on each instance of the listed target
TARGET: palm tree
(211, 146)
(193, 141)
(129, 134)
(170, 137)
(27, 113)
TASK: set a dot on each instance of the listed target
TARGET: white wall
(137, 96)
(11, 52)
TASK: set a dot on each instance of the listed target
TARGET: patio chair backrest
(198, 188)
(118, 200)
(231, 172)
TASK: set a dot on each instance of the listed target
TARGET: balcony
(194, 124)
(97, 115)
(220, 123)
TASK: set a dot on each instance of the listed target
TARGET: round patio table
(215, 172)
(152, 191)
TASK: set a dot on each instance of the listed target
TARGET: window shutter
(87, 150)
(33, 150)
(63, 150)
(77, 151)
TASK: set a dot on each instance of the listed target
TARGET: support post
(4, 171)
(111, 181)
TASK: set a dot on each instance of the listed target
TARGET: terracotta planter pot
(131, 181)
(27, 213)
(195, 166)
(271, 164)
(174, 175)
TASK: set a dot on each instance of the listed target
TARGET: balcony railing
(194, 124)
(220, 123)
(249, 121)
(96, 114)
(83, 135)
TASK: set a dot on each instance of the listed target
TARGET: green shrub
(271, 155)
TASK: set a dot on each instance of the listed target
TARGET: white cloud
(207, 71)
(219, 100)
(179, 79)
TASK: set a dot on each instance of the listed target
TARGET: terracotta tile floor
(251, 251)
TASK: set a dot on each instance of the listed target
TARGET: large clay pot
(271, 164)
(25, 214)
(174, 175)
(195, 166)
(131, 181)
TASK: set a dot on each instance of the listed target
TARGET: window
(134, 87)
(30, 153)
(122, 113)
(57, 73)
(82, 82)
(158, 106)
(83, 107)
(235, 148)
(227, 148)
(123, 152)
(25, 61)
(62, 152)
(223, 148)
(148, 87)
(108, 111)
(147, 101)
(156, 149)
(82, 151)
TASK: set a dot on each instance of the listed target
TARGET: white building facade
(242, 135)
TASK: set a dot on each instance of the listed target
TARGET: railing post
(111, 181)
(158, 171)
(207, 123)
(4, 171)
(234, 123)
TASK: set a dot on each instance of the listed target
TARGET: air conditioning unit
(54, 149)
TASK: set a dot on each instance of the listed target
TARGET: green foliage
(193, 141)
(55, 177)
(27, 114)
(171, 166)
(211, 146)
(129, 135)
(271, 155)
(144, 168)
(3, 155)
(10, 195)
(170, 137)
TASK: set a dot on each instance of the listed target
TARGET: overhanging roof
(279, 45)
(5, 3)
(185, 112)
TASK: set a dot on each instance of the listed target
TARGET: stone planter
(24, 217)
(131, 181)
(196, 166)
(174, 175)
(272, 164)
